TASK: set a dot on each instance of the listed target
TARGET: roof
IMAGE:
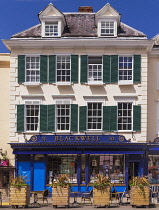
(80, 25)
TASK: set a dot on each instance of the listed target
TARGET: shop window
(61, 164)
(111, 166)
(153, 169)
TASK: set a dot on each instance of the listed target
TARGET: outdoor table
(35, 193)
(75, 198)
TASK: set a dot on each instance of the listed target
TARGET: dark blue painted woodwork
(39, 176)
(24, 170)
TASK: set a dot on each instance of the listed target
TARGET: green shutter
(84, 68)
(106, 118)
(20, 118)
(106, 68)
(74, 68)
(43, 68)
(43, 118)
(74, 117)
(51, 118)
(114, 68)
(137, 68)
(83, 114)
(113, 122)
(52, 68)
(136, 118)
(21, 68)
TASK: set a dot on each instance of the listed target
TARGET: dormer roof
(108, 12)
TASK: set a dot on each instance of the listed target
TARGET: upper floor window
(125, 64)
(62, 117)
(95, 68)
(32, 69)
(107, 28)
(94, 116)
(51, 28)
(32, 115)
(124, 116)
(63, 68)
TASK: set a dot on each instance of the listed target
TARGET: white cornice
(77, 42)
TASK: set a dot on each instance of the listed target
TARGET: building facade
(79, 98)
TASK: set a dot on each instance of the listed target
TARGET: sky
(19, 15)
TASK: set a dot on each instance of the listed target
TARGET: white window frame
(62, 102)
(107, 20)
(126, 82)
(31, 102)
(52, 24)
(63, 82)
(94, 101)
(88, 65)
(51, 20)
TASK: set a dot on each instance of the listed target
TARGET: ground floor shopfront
(44, 157)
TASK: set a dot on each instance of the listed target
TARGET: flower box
(101, 197)
(60, 196)
(4, 163)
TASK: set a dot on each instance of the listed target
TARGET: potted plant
(5, 161)
(101, 191)
(19, 193)
(139, 192)
(60, 191)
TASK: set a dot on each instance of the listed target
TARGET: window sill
(94, 131)
(62, 132)
(32, 84)
(125, 131)
(95, 83)
(122, 82)
(63, 83)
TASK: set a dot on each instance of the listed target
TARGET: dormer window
(51, 28)
(107, 28)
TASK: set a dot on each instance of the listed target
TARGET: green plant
(140, 182)
(18, 181)
(101, 182)
(62, 181)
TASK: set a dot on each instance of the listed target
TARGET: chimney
(85, 9)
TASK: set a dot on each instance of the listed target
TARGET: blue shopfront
(44, 157)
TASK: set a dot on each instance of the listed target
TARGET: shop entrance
(133, 170)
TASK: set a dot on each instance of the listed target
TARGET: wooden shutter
(114, 68)
(20, 118)
(52, 68)
(136, 118)
(106, 118)
(106, 68)
(137, 68)
(74, 117)
(43, 118)
(83, 118)
(51, 118)
(43, 68)
(84, 68)
(74, 68)
(21, 68)
(113, 123)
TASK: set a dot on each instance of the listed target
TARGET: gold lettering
(77, 138)
(71, 138)
(93, 138)
(66, 139)
(88, 138)
(83, 138)
(56, 138)
(98, 138)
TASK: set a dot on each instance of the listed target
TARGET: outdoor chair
(114, 196)
(43, 196)
(125, 195)
(154, 192)
(87, 196)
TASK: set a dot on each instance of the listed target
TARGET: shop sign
(58, 139)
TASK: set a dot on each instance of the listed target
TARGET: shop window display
(153, 169)
(61, 164)
(111, 166)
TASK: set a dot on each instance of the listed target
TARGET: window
(62, 117)
(111, 166)
(94, 116)
(51, 28)
(32, 69)
(61, 164)
(32, 115)
(125, 68)
(124, 116)
(63, 68)
(95, 68)
(107, 28)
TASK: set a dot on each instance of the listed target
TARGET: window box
(4, 162)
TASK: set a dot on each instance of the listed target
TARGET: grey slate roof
(80, 25)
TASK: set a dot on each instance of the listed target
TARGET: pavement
(86, 206)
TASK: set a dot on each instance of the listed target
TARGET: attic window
(51, 28)
(107, 28)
